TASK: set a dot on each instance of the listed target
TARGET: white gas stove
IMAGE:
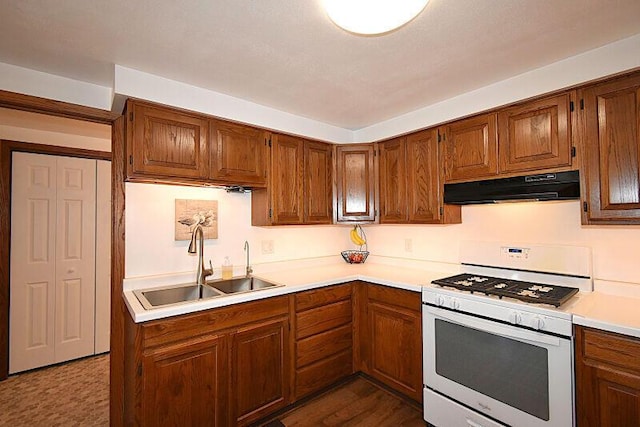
(498, 346)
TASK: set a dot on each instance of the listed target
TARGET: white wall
(615, 248)
(36, 128)
(151, 248)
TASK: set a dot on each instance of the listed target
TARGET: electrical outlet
(408, 245)
(267, 247)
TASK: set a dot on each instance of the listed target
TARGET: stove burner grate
(523, 291)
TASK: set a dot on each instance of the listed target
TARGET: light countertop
(296, 280)
(611, 307)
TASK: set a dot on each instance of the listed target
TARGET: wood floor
(357, 403)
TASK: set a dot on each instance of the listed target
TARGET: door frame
(7, 148)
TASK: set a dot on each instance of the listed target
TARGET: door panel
(75, 258)
(393, 181)
(32, 282)
(52, 281)
(471, 148)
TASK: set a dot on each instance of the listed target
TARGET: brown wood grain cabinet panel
(393, 181)
(471, 147)
(318, 183)
(607, 379)
(319, 346)
(318, 297)
(259, 370)
(611, 125)
(323, 318)
(319, 375)
(535, 135)
(238, 154)
(166, 144)
(394, 296)
(286, 179)
(355, 183)
(184, 384)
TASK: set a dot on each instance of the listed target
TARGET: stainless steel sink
(241, 284)
(176, 294)
(181, 294)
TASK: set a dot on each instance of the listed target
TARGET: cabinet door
(471, 148)
(355, 183)
(167, 144)
(395, 353)
(238, 153)
(607, 379)
(286, 180)
(185, 383)
(611, 125)
(535, 135)
(318, 183)
(259, 370)
(393, 181)
(424, 186)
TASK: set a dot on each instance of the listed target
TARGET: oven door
(516, 376)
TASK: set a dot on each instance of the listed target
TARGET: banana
(355, 236)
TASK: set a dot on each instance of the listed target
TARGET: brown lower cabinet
(607, 379)
(390, 335)
(220, 367)
(234, 365)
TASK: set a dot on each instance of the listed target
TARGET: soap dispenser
(227, 269)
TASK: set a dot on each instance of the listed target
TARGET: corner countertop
(296, 280)
(612, 306)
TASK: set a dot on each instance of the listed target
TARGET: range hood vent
(546, 186)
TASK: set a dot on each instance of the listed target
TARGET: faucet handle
(208, 271)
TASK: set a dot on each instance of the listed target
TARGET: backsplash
(151, 250)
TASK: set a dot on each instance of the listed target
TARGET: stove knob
(515, 318)
(537, 323)
(454, 303)
(440, 300)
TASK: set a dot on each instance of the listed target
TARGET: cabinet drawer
(612, 349)
(318, 297)
(323, 318)
(322, 345)
(319, 375)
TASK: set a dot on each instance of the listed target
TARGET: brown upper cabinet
(611, 126)
(535, 135)
(411, 182)
(164, 144)
(299, 185)
(355, 183)
(471, 147)
(238, 154)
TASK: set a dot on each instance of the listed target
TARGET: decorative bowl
(355, 257)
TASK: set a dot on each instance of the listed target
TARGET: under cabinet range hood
(546, 186)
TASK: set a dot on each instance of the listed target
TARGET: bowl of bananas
(359, 239)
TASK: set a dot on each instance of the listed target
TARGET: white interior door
(32, 264)
(52, 285)
(75, 258)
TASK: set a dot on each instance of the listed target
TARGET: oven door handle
(494, 327)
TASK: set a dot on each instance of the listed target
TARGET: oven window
(507, 370)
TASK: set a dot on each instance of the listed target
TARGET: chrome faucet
(249, 269)
(202, 272)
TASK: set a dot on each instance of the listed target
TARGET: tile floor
(71, 394)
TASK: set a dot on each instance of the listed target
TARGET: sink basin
(241, 284)
(177, 294)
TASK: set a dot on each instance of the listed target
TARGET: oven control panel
(513, 313)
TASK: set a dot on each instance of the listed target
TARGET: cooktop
(523, 291)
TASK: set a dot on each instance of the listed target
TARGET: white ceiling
(288, 55)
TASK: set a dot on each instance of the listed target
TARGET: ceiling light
(372, 16)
